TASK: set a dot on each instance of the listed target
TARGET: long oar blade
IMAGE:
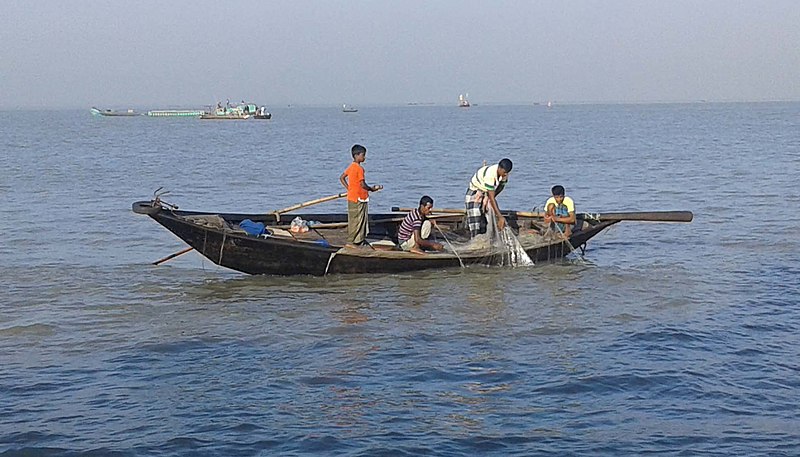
(649, 216)
(172, 256)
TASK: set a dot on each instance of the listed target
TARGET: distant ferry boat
(463, 101)
(349, 109)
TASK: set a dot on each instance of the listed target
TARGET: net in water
(496, 247)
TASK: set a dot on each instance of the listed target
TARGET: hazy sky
(63, 53)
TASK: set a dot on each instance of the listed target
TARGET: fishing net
(495, 247)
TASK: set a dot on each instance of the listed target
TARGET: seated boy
(560, 212)
(416, 228)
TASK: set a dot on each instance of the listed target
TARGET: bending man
(484, 187)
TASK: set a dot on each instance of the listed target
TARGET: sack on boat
(298, 225)
(253, 228)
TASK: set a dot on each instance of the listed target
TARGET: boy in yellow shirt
(560, 211)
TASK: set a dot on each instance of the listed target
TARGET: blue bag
(253, 228)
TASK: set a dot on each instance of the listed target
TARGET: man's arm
(501, 221)
(364, 185)
(425, 243)
(549, 212)
(343, 180)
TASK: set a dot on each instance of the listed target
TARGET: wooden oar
(172, 256)
(648, 216)
(305, 204)
(277, 216)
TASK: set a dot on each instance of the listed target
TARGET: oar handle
(278, 213)
(648, 216)
(461, 211)
(172, 256)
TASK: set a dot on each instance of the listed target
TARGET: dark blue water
(668, 339)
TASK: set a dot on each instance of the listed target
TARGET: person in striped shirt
(415, 229)
(481, 195)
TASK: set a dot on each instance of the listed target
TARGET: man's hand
(501, 222)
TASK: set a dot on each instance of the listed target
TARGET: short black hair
(506, 164)
(357, 149)
(425, 200)
(558, 191)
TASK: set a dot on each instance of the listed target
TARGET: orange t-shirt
(355, 192)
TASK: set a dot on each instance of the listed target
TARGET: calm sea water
(669, 339)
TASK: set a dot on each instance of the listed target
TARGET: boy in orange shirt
(357, 198)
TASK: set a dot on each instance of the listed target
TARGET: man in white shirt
(482, 193)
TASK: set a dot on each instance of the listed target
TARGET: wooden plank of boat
(644, 216)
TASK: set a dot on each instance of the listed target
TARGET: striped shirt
(413, 221)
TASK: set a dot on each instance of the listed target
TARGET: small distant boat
(108, 112)
(463, 101)
(262, 113)
(349, 109)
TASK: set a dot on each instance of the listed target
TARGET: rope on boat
(333, 254)
(566, 239)
(203, 257)
(451, 246)
(221, 248)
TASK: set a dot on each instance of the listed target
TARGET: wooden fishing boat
(320, 250)
(112, 113)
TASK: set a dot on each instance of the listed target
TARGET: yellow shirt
(567, 202)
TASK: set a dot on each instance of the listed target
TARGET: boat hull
(288, 256)
(215, 117)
